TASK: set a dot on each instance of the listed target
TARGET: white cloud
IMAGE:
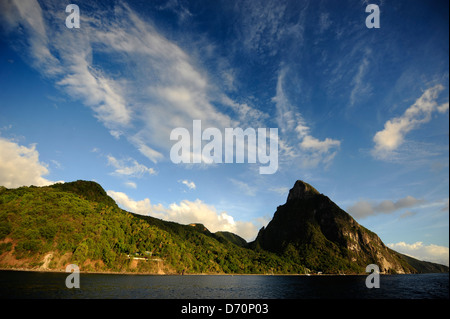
(244, 187)
(116, 134)
(432, 253)
(29, 15)
(157, 79)
(443, 108)
(187, 212)
(313, 144)
(280, 190)
(393, 135)
(20, 166)
(66, 57)
(189, 184)
(129, 167)
(100, 93)
(296, 140)
(146, 150)
(165, 82)
(245, 113)
(361, 87)
(142, 207)
(131, 184)
(363, 209)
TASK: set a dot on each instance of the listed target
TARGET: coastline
(175, 274)
(144, 273)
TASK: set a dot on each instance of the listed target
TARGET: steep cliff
(313, 231)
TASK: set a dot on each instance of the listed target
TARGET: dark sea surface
(46, 285)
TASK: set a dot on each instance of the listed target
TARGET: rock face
(312, 230)
(301, 190)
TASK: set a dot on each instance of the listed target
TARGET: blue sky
(362, 114)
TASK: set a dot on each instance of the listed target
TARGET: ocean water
(45, 285)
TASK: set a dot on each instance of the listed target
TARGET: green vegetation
(51, 227)
(78, 223)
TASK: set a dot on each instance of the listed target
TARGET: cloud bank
(432, 253)
(20, 165)
(187, 212)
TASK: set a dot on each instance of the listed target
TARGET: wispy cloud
(67, 59)
(97, 91)
(388, 140)
(165, 82)
(360, 86)
(297, 141)
(280, 190)
(56, 164)
(28, 15)
(324, 22)
(244, 113)
(264, 26)
(129, 167)
(407, 214)
(178, 8)
(363, 208)
(159, 79)
(189, 184)
(244, 187)
(445, 207)
(131, 185)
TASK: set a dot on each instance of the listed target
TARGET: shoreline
(176, 274)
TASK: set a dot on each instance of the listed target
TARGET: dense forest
(48, 228)
(78, 223)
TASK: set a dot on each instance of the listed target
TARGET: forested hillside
(47, 228)
(78, 223)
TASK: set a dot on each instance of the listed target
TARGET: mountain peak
(301, 190)
(313, 231)
(87, 189)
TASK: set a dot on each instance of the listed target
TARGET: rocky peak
(313, 231)
(301, 190)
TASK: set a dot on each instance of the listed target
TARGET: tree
(81, 252)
